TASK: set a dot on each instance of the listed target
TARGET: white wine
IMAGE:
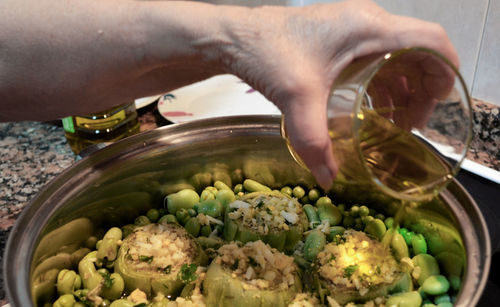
(108, 126)
(392, 157)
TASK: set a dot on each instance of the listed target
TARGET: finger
(306, 127)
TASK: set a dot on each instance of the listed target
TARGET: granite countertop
(32, 153)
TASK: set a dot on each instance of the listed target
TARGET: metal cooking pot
(119, 182)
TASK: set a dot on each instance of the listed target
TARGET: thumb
(307, 130)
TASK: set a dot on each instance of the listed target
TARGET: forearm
(71, 57)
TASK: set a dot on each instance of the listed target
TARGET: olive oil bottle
(107, 126)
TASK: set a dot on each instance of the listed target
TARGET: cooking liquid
(396, 160)
(107, 126)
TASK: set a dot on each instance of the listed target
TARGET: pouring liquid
(399, 162)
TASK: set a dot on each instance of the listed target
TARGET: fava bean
(193, 226)
(184, 199)
(435, 285)
(443, 298)
(153, 215)
(108, 249)
(428, 266)
(91, 241)
(182, 216)
(341, 208)
(407, 235)
(192, 212)
(127, 229)
(379, 216)
(366, 219)
(335, 231)
(68, 281)
(445, 304)
(363, 211)
(325, 200)
(313, 194)
(312, 216)
(389, 222)
(86, 268)
(169, 218)
(206, 195)
(330, 213)
(376, 228)
(78, 255)
(211, 207)
(219, 185)
(429, 305)
(286, 190)
(354, 211)
(298, 192)
(66, 300)
(212, 242)
(348, 221)
(238, 188)
(115, 291)
(205, 230)
(399, 247)
(225, 197)
(419, 244)
(142, 220)
(405, 299)
(254, 186)
(315, 242)
(304, 200)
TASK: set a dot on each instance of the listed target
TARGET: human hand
(293, 55)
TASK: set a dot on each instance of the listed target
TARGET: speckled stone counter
(33, 153)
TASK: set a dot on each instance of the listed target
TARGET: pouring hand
(294, 57)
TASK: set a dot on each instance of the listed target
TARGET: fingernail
(323, 176)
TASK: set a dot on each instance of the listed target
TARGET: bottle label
(68, 124)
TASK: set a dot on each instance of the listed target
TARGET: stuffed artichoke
(357, 268)
(272, 217)
(253, 275)
(154, 258)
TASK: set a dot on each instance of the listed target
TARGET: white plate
(145, 101)
(224, 95)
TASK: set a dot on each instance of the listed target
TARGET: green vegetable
(315, 242)
(399, 247)
(238, 188)
(68, 281)
(428, 266)
(418, 244)
(314, 194)
(328, 212)
(142, 220)
(108, 248)
(435, 285)
(376, 228)
(184, 199)
(122, 303)
(144, 272)
(254, 186)
(335, 231)
(211, 207)
(298, 192)
(193, 226)
(286, 190)
(281, 239)
(312, 216)
(66, 300)
(348, 271)
(153, 215)
(406, 299)
(188, 273)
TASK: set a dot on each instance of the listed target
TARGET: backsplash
(486, 134)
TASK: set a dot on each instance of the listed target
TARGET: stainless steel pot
(119, 182)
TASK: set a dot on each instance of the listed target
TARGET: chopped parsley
(269, 211)
(108, 281)
(188, 273)
(147, 259)
(348, 271)
(235, 264)
(167, 269)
